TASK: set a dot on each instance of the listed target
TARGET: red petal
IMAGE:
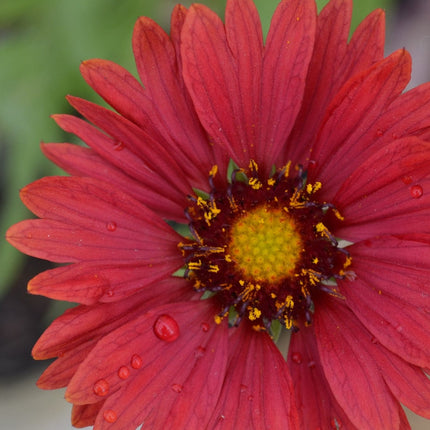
(366, 46)
(378, 196)
(350, 368)
(287, 55)
(404, 423)
(60, 372)
(93, 204)
(87, 324)
(90, 221)
(119, 88)
(409, 384)
(120, 156)
(245, 40)
(85, 415)
(145, 146)
(212, 80)
(325, 75)
(66, 243)
(177, 20)
(315, 402)
(80, 161)
(176, 383)
(334, 61)
(401, 327)
(257, 392)
(89, 283)
(171, 109)
(357, 106)
(403, 261)
(406, 116)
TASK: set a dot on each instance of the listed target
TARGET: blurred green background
(42, 43)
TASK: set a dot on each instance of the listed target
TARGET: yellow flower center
(265, 245)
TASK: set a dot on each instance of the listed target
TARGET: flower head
(241, 191)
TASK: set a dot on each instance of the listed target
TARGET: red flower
(318, 225)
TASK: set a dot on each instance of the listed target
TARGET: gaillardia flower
(242, 191)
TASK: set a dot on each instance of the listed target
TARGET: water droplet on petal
(111, 226)
(123, 372)
(374, 340)
(311, 364)
(250, 397)
(166, 328)
(110, 416)
(200, 351)
(119, 146)
(296, 357)
(312, 164)
(416, 191)
(101, 387)
(205, 327)
(243, 388)
(407, 180)
(177, 388)
(136, 361)
(379, 132)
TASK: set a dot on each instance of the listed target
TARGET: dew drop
(200, 352)
(177, 388)
(111, 226)
(123, 372)
(296, 357)
(109, 293)
(374, 340)
(205, 327)
(379, 132)
(110, 416)
(119, 146)
(101, 387)
(166, 328)
(221, 418)
(136, 361)
(416, 191)
(250, 397)
(407, 180)
(243, 388)
(311, 364)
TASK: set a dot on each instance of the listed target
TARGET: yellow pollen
(265, 245)
(255, 183)
(213, 171)
(254, 313)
